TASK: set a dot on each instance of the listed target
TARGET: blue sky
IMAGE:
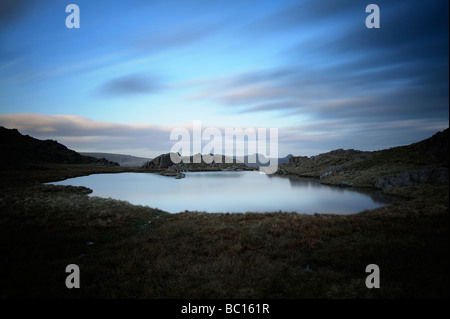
(136, 69)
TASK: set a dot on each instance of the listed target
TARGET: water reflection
(230, 192)
(305, 182)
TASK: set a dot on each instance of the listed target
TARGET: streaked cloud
(132, 84)
(346, 71)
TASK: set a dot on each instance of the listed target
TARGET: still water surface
(232, 191)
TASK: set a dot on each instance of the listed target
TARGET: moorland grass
(129, 251)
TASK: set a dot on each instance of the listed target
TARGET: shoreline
(395, 197)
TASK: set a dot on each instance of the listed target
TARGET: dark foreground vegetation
(127, 251)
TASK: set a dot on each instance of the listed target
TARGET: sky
(135, 70)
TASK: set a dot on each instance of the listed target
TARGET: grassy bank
(364, 169)
(130, 251)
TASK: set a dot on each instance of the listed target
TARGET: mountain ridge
(22, 151)
(123, 159)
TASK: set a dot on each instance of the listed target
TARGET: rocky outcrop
(167, 167)
(325, 164)
(339, 168)
(162, 161)
(429, 175)
(184, 163)
(297, 160)
(425, 162)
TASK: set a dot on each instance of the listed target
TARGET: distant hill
(163, 161)
(261, 160)
(22, 151)
(123, 160)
